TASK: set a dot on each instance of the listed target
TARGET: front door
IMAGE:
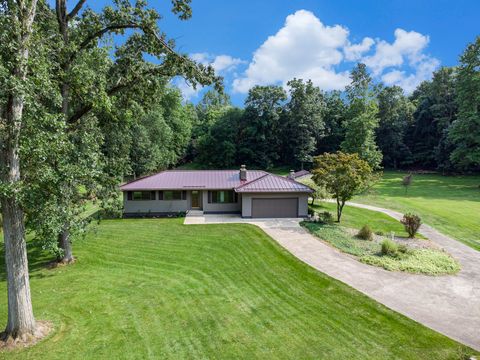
(195, 199)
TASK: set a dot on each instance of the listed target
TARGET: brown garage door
(275, 208)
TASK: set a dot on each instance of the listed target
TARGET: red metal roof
(192, 179)
(300, 173)
(273, 183)
(257, 181)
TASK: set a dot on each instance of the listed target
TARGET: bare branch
(76, 9)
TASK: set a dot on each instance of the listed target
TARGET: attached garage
(274, 207)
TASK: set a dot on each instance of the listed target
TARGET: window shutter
(209, 197)
(184, 195)
(129, 195)
(152, 195)
(160, 195)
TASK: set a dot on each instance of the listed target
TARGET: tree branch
(99, 34)
(76, 9)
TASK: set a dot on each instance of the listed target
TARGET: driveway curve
(448, 304)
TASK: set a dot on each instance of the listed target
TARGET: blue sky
(271, 41)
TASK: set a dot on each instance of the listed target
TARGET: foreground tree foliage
(89, 80)
(343, 176)
(61, 131)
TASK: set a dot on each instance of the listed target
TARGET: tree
(362, 118)
(395, 115)
(465, 131)
(259, 137)
(435, 110)
(16, 32)
(343, 176)
(318, 191)
(334, 117)
(304, 123)
(219, 147)
(78, 45)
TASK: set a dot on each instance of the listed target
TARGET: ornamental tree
(343, 176)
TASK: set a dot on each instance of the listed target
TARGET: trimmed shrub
(389, 248)
(412, 223)
(325, 217)
(365, 233)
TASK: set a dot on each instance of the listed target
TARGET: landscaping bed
(418, 256)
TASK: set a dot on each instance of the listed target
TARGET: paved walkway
(447, 304)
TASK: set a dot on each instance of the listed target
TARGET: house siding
(132, 207)
(221, 208)
(247, 201)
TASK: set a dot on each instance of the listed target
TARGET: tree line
(437, 127)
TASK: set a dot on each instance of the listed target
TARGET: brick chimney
(291, 175)
(243, 173)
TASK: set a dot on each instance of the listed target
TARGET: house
(301, 174)
(251, 193)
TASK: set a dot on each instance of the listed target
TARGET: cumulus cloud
(354, 52)
(306, 48)
(220, 63)
(303, 48)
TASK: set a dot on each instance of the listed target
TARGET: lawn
(355, 218)
(154, 288)
(451, 204)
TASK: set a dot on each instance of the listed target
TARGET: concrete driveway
(448, 304)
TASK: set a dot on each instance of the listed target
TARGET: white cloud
(302, 48)
(354, 52)
(408, 45)
(306, 48)
(423, 71)
(220, 63)
(187, 90)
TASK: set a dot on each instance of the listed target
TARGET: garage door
(275, 208)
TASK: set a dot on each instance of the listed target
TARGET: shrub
(389, 248)
(365, 233)
(325, 217)
(380, 233)
(311, 212)
(402, 248)
(412, 223)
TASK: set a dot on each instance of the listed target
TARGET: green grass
(355, 218)
(451, 204)
(150, 288)
(418, 261)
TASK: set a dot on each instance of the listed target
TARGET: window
(222, 197)
(141, 195)
(173, 195)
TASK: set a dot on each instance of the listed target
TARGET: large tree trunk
(66, 246)
(21, 321)
(62, 18)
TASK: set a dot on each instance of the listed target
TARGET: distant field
(155, 288)
(450, 204)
